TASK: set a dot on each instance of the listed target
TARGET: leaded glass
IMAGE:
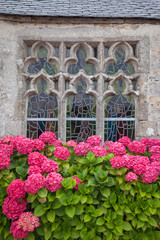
(49, 67)
(120, 64)
(119, 114)
(81, 114)
(81, 64)
(42, 112)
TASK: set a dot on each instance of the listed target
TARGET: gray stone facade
(16, 35)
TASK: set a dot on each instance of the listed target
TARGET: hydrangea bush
(53, 190)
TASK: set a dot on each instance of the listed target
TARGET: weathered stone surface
(13, 50)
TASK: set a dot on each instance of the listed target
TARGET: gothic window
(81, 89)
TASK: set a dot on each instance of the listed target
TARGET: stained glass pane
(113, 68)
(50, 67)
(81, 64)
(42, 112)
(119, 114)
(81, 114)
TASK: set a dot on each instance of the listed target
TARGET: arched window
(42, 114)
(81, 114)
(119, 114)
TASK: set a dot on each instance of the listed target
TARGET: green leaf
(113, 198)
(97, 213)
(92, 182)
(83, 199)
(68, 183)
(64, 200)
(143, 217)
(56, 204)
(51, 196)
(21, 170)
(39, 210)
(31, 197)
(87, 217)
(90, 156)
(70, 211)
(84, 161)
(51, 216)
(109, 235)
(47, 234)
(105, 192)
(31, 236)
(140, 224)
(152, 222)
(100, 221)
(127, 226)
(110, 182)
(42, 192)
(152, 210)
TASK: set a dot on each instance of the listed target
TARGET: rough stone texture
(83, 8)
(14, 36)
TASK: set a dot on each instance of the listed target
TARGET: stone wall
(14, 34)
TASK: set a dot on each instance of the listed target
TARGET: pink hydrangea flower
(6, 140)
(82, 149)
(117, 162)
(140, 164)
(6, 149)
(4, 161)
(57, 143)
(146, 142)
(53, 181)
(150, 175)
(28, 222)
(137, 147)
(107, 143)
(71, 143)
(17, 232)
(48, 137)
(154, 150)
(15, 140)
(99, 151)
(61, 153)
(77, 182)
(155, 157)
(117, 149)
(125, 141)
(13, 208)
(25, 146)
(154, 142)
(49, 166)
(38, 144)
(94, 140)
(156, 166)
(131, 176)
(129, 161)
(16, 189)
(36, 158)
(34, 169)
(34, 182)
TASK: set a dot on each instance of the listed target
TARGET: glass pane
(50, 67)
(119, 106)
(82, 107)
(114, 130)
(42, 106)
(81, 64)
(36, 128)
(79, 131)
(113, 68)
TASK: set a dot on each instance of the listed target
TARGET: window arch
(81, 114)
(119, 112)
(42, 113)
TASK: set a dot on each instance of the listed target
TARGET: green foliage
(106, 207)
